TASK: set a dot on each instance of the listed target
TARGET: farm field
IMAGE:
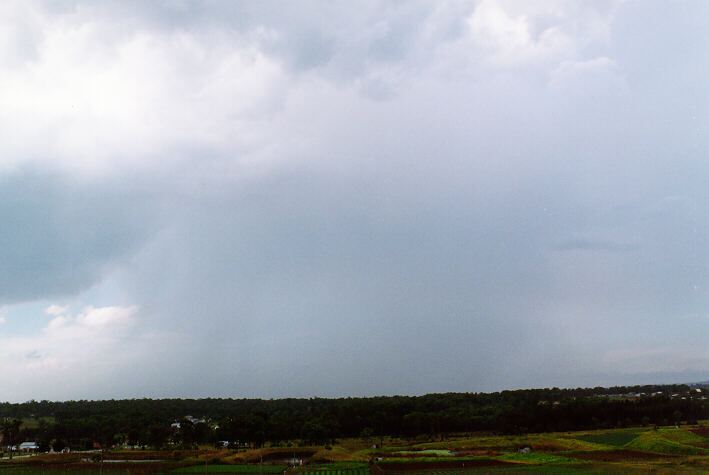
(232, 469)
(640, 449)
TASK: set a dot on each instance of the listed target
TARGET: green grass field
(436, 452)
(616, 438)
(231, 469)
(668, 441)
(552, 469)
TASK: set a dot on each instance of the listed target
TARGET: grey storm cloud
(326, 199)
(59, 236)
(594, 245)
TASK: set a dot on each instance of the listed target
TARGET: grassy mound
(674, 442)
(682, 436)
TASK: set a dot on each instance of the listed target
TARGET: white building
(28, 447)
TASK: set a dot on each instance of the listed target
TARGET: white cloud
(67, 347)
(510, 38)
(57, 322)
(104, 99)
(2, 320)
(598, 72)
(56, 310)
(106, 316)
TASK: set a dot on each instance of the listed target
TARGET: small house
(28, 447)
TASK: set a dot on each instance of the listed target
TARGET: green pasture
(668, 441)
(232, 469)
(561, 469)
(616, 438)
(436, 452)
(683, 436)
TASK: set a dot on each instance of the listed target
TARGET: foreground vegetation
(662, 449)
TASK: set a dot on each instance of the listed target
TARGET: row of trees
(147, 422)
(10, 431)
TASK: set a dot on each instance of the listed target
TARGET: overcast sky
(273, 199)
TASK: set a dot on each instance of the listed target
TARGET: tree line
(254, 422)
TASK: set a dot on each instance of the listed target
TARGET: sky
(323, 199)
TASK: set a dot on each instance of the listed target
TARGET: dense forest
(182, 423)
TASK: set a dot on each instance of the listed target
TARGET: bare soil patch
(546, 447)
(701, 431)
